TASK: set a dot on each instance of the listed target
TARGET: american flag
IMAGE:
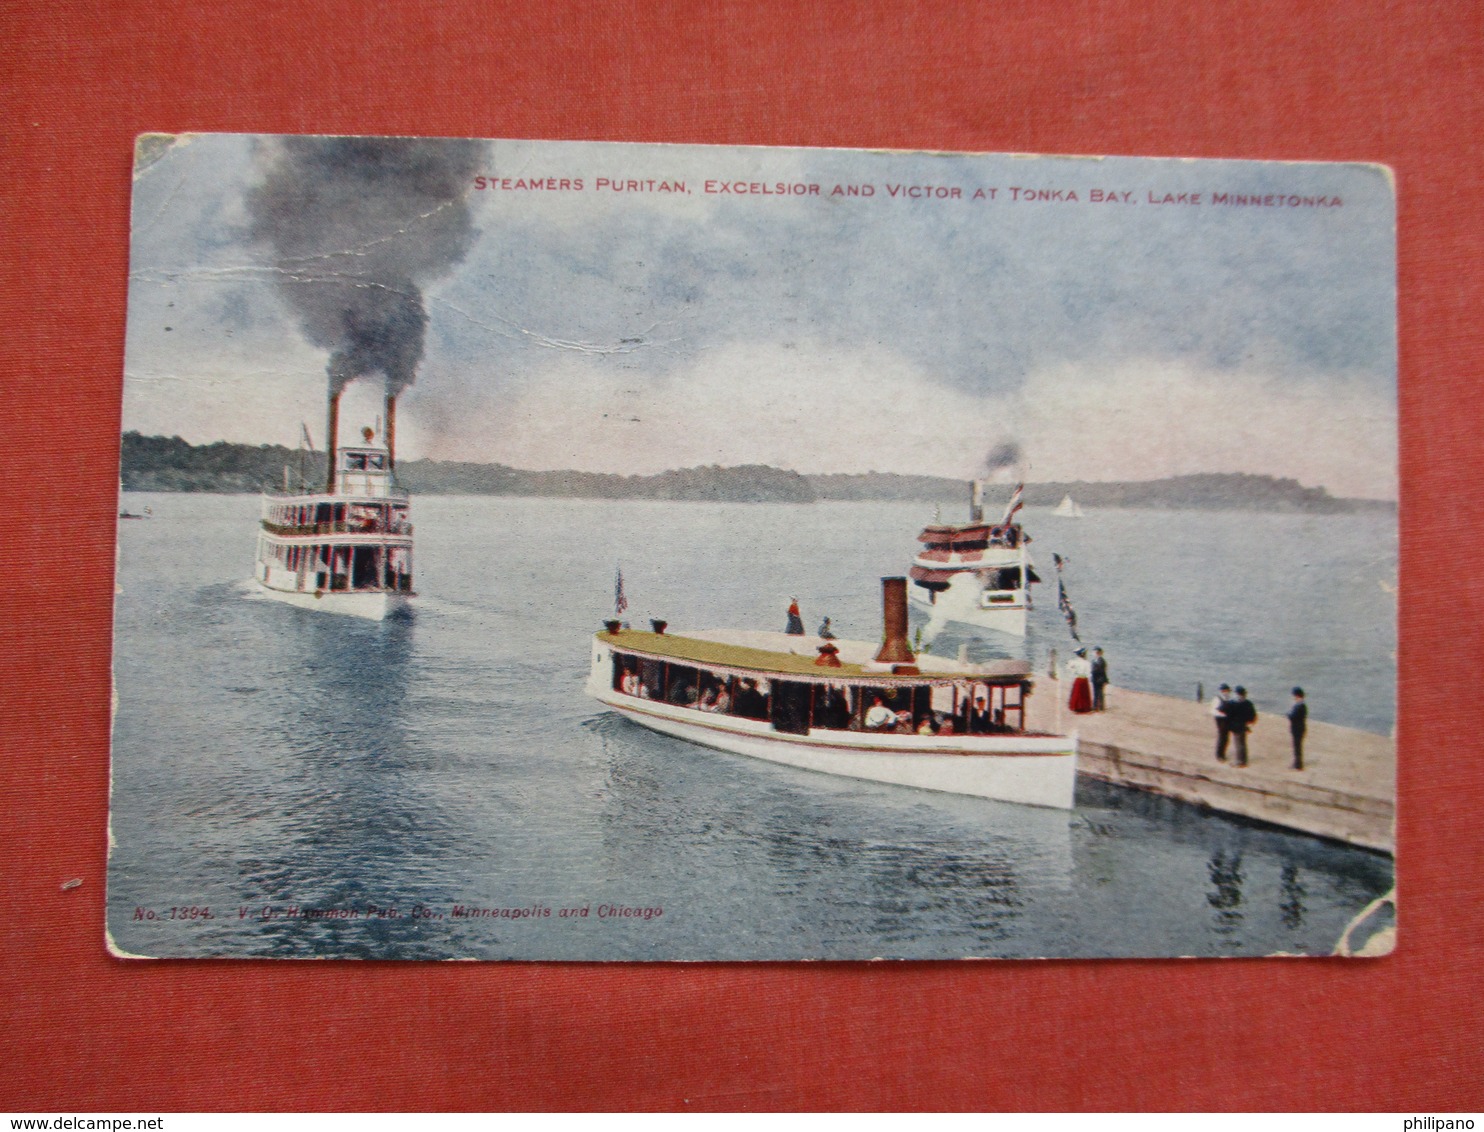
(620, 603)
(1017, 501)
(1063, 602)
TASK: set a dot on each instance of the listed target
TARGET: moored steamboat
(847, 708)
(347, 549)
(976, 573)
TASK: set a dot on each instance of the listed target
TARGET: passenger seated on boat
(836, 712)
(945, 725)
(879, 717)
(980, 721)
(751, 703)
(926, 726)
(723, 702)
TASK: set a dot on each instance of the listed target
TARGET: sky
(1129, 337)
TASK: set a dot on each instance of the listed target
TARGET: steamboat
(346, 549)
(976, 573)
(848, 708)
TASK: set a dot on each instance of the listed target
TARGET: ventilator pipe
(895, 648)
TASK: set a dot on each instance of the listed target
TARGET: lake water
(328, 787)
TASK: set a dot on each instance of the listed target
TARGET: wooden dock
(1346, 791)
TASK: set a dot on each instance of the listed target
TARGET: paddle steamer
(347, 549)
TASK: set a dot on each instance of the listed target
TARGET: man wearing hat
(1223, 724)
(1099, 680)
(1240, 715)
(1298, 725)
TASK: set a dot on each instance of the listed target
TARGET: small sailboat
(1067, 508)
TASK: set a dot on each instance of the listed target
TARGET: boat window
(833, 708)
(1007, 578)
(790, 707)
(991, 709)
(366, 517)
(682, 685)
(715, 692)
(355, 461)
(751, 699)
(625, 674)
(399, 568)
(651, 679)
(365, 572)
(376, 461)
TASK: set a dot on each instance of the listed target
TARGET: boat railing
(395, 494)
(305, 530)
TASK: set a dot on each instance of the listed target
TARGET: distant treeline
(159, 463)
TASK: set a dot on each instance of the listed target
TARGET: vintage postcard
(579, 551)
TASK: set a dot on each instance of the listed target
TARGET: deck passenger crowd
(975, 708)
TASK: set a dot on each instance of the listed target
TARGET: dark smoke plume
(1004, 455)
(357, 226)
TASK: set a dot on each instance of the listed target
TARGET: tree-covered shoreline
(169, 464)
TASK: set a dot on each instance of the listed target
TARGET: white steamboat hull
(372, 606)
(963, 603)
(1033, 770)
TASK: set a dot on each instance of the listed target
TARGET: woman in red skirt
(1079, 668)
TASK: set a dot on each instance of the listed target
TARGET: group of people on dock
(1235, 716)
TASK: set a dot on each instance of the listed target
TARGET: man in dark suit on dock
(1223, 724)
(1298, 726)
(1099, 680)
(1240, 716)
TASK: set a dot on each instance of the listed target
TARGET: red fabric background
(1375, 81)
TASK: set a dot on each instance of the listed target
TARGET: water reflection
(1225, 872)
(354, 804)
(835, 861)
(1291, 890)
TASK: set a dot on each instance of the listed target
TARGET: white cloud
(810, 408)
(1144, 420)
(817, 409)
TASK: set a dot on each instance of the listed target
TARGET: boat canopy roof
(779, 654)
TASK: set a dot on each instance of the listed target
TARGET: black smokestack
(332, 437)
(357, 226)
(391, 431)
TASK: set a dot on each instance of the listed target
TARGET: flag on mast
(1063, 602)
(1017, 501)
(620, 602)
